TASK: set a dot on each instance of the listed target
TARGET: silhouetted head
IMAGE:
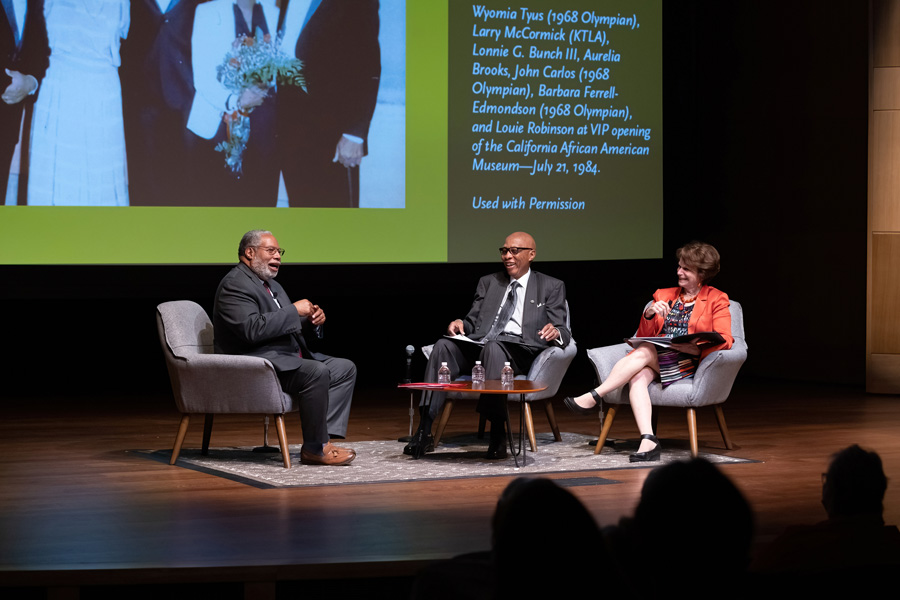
(691, 513)
(540, 533)
(854, 484)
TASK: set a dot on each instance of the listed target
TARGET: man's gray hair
(250, 239)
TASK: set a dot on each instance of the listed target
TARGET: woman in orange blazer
(691, 307)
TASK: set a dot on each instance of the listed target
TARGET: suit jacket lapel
(265, 299)
(700, 306)
(532, 293)
(494, 299)
(309, 13)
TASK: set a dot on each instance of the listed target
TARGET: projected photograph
(188, 119)
(217, 103)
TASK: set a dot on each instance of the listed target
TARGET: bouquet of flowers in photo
(256, 61)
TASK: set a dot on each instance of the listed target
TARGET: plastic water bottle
(477, 374)
(506, 375)
(444, 373)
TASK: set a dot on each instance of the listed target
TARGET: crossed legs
(638, 369)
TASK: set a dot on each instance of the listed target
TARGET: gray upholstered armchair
(207, 383)
(547, 369)
(710, 385)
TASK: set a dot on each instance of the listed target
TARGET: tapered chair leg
(207, 433)
(282, 441)
(723, 428)
(179, 438)
(607, 425)
(529, 427)
(692, 431)
(551, 417)
(445, 416)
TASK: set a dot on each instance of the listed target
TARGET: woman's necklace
(685, 299)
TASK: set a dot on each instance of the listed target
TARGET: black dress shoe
(496, 450)
(420, 444)
(580, 410)
(649, 455)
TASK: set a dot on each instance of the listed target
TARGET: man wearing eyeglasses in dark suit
(517, 313)
(254, 316)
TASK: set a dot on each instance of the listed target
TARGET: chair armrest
(549, 368)
(604, 359)
(716, 374)
(224, 383)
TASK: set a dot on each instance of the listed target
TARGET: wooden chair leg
(529, 427)
(282, 441)
(607, 425)
(445, 416)
(207, 433)
(692, 431)
(551, 417)
(179, 438)
(723, 428)
(482, 422)
(654, 420)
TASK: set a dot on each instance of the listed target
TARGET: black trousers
(460, 358)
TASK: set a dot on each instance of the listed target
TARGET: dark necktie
(505, 313)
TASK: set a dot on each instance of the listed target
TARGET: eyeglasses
(271, 250)
(514, 251)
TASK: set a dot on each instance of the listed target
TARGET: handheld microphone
(409, 353)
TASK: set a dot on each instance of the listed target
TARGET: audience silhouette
(692, 526)
(853, 547)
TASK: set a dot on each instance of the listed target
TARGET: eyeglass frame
(271, 250)
(514, 250)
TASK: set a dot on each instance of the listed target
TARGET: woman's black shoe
(580, 410)
(649, 455)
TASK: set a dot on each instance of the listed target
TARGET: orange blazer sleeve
(711, 312)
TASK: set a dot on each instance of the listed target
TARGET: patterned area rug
(384, 462)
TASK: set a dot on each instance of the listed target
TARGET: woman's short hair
(701, 257)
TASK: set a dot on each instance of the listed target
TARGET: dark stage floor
(77, 511)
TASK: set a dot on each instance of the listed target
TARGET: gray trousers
(324, 386)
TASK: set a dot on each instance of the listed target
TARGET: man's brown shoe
(332, 455)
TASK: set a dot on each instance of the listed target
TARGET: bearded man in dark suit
(254, 316)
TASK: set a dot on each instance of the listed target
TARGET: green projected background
(471, 71)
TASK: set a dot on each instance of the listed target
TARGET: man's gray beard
(261, 269)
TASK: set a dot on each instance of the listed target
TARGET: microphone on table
(408, 379)
(409, 353)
